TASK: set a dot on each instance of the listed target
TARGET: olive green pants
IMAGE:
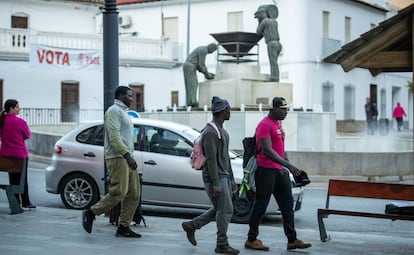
(124, 187)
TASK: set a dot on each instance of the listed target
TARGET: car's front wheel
(79, 191)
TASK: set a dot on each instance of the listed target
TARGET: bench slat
(371, 190)
(11, 165)
(366, 214)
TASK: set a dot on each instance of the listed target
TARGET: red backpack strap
(216, 128)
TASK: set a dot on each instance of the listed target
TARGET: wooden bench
(404, 192)
(14, 165)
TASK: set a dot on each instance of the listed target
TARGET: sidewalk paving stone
(59, 231)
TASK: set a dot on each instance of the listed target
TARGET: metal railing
(53, 116)
(19, 40)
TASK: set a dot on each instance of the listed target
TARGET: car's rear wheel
(79, 191)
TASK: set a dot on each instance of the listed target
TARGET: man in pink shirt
(272, 177)
(398, 114)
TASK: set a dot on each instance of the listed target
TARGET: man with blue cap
(218, 178)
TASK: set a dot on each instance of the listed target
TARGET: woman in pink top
(13, 133)
(398, 114)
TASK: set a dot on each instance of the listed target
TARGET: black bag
(249, 147)
(114, 214)
(302, 179)
(399, 208)
(138, 216)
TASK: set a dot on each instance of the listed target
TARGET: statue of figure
(196, 62)
(266, 15)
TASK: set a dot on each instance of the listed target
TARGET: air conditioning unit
(125, 21)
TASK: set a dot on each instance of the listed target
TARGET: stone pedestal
(242, 84)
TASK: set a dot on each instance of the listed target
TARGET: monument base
(243, 85)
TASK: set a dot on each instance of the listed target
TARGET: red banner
(65, 58)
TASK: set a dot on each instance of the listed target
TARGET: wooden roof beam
(389, 60)
(388, 37)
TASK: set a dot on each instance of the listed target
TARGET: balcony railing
(53, 116)
(130, 48)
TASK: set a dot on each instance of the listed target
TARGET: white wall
(51, 16)
(300, 28)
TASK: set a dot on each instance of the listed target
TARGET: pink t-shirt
(13, 135)
(268, 128)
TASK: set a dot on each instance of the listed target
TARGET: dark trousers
(399, 123)
(14, 178)
(276, 182)
(371, 126)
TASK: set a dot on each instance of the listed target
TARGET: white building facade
(155, 37)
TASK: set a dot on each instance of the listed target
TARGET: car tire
(242, 208)
(79, 191)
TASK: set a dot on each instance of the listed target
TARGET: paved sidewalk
(59, 231)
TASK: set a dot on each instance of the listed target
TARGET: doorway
(174, 98)
(70, 101)
(137, 97)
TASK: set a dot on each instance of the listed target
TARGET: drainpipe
(188, 26)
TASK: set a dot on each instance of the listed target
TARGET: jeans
(276, 182)
(371, 126)
(222, 210)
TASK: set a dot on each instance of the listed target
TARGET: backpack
(197, 157)
(249, 149)
(248, 185)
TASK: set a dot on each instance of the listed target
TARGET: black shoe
(126, 232)
(189, 228)
(226, 249)
(29, 206)
(87, 220)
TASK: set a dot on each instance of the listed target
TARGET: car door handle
(89, 154)
(150, 162)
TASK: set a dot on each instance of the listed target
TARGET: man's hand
(293, 169)
(216, 191)
(234, 186)
(131, 161)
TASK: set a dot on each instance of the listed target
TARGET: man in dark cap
(272, 178)
(218, 178)
(196, 61)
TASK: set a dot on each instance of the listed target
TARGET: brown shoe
(190, 229)
(298, 244)
(255, 245)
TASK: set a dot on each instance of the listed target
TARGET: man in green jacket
(124, 179)
(218, 179)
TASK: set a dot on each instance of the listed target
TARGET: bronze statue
(196, 62)
(266, 15)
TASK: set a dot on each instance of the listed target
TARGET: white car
(162, 151)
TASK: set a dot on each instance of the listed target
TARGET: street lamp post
(110, 52)
(110, 59)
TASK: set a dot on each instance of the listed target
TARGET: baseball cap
(279, 102)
